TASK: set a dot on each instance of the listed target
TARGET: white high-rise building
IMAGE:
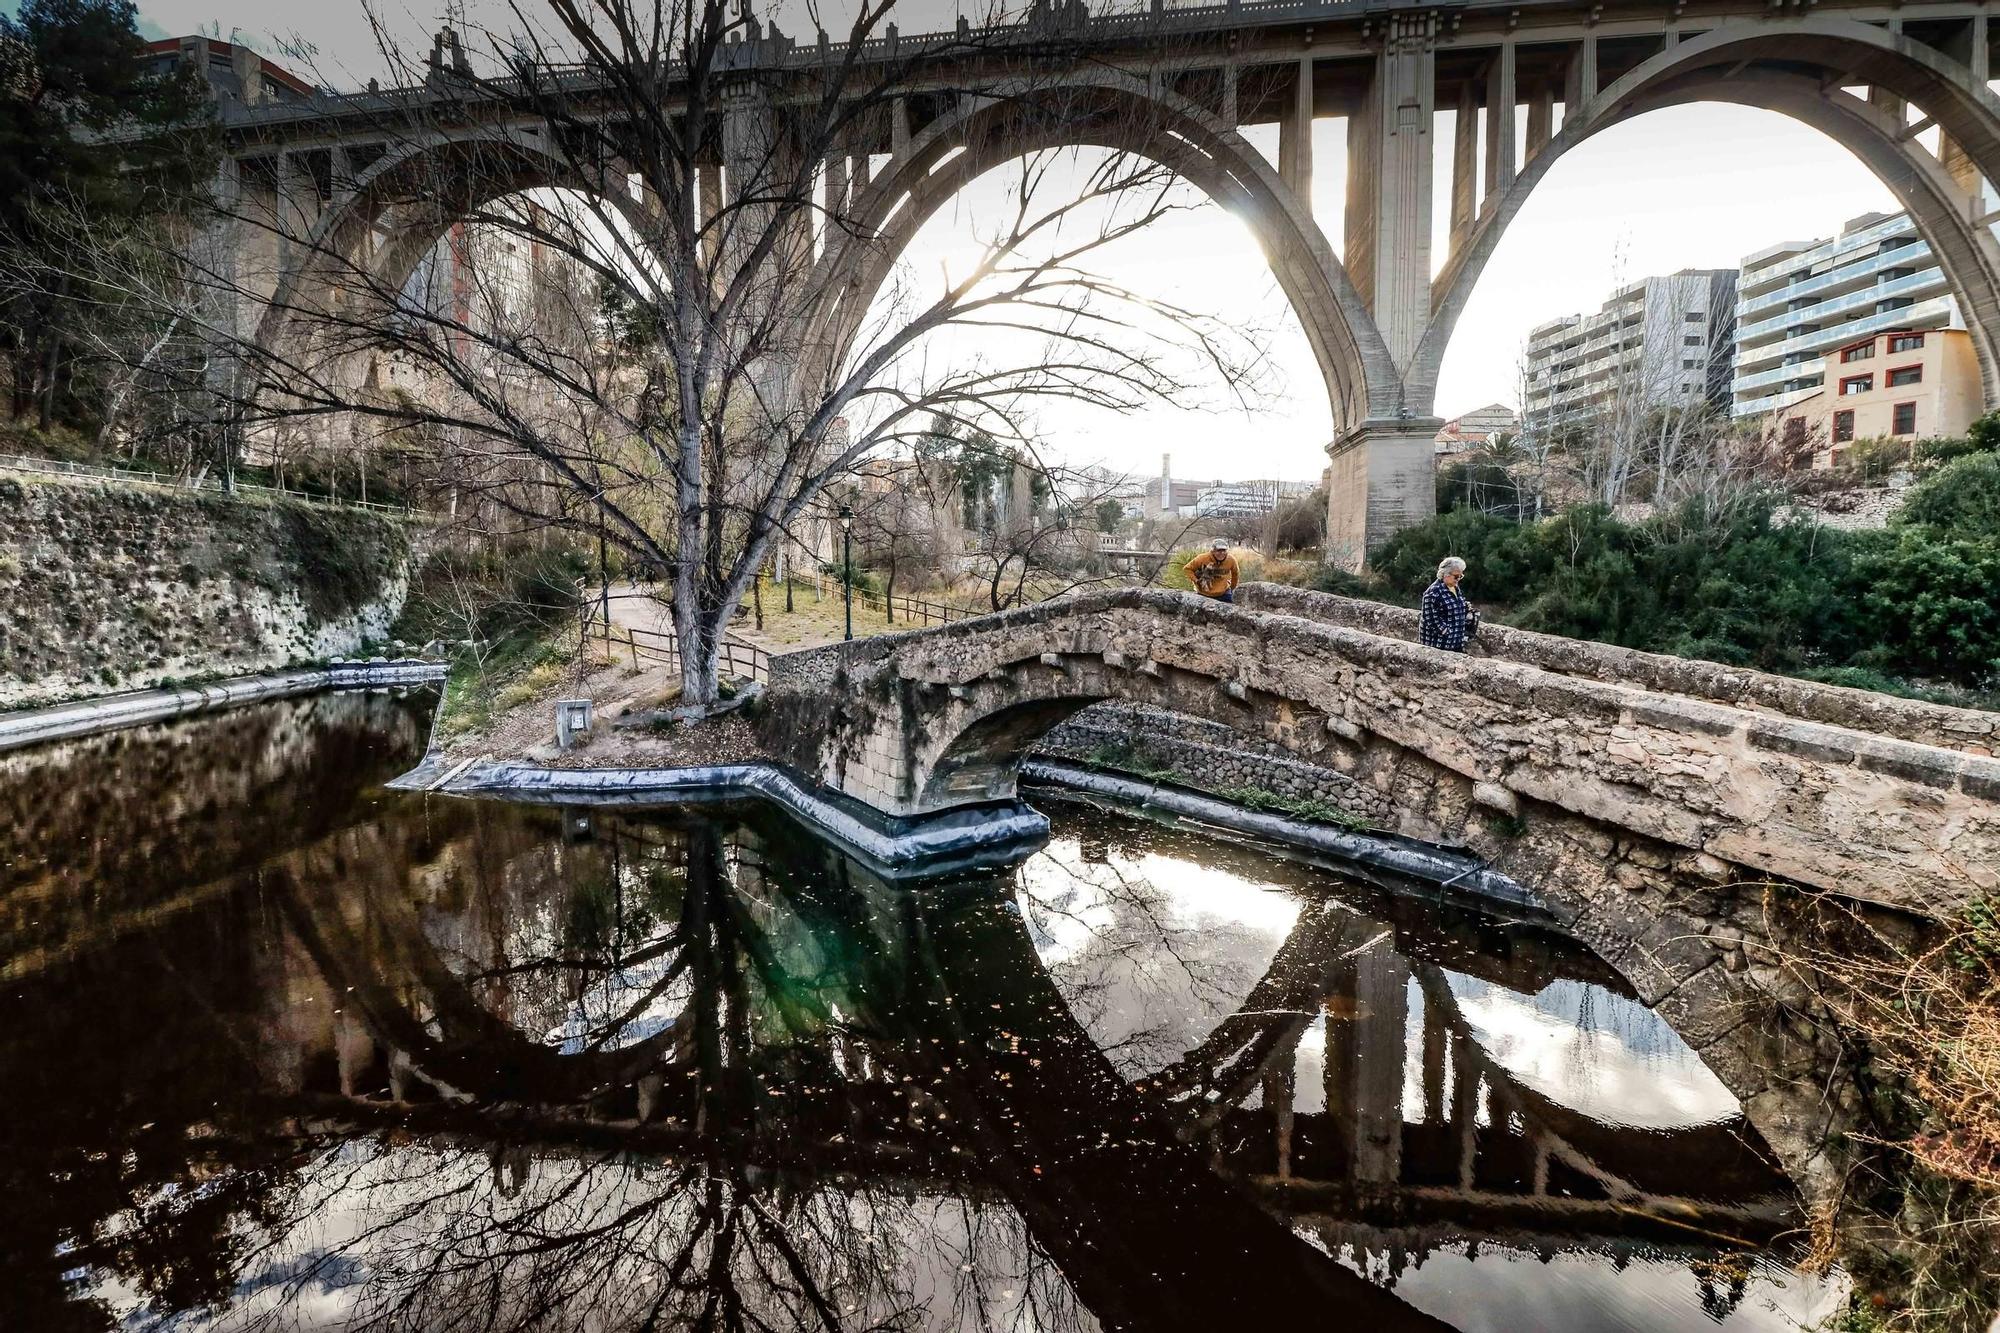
(1659, 341)
(1799, 302)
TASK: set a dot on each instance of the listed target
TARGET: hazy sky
(1695, 186)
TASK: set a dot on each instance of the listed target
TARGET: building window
(1843, 427)
(1691, 340)
(1694, 316)
(1856, 384)
(1906, 419)
(1902, 375)
(1859, 352)
(1690, 363)
(1906, 342)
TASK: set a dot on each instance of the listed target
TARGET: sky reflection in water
(280, 1049)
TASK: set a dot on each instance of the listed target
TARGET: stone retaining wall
(109, 587)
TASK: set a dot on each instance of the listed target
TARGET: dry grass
(1920, 1223)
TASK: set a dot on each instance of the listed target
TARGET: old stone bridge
(1591, 773)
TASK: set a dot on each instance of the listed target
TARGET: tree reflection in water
(435, 1065)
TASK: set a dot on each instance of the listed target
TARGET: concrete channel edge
(87, 717)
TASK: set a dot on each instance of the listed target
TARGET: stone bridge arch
(1103, 108)
(1651, 804)
(1798, 67)
(1647, 785)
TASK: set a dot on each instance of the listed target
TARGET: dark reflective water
(279, 1049)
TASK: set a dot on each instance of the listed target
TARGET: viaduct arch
(1801, 68)
(370, 238)
(1106, 109)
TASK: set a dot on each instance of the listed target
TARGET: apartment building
(1657, 342)
(1902, 384)
(1801, 302)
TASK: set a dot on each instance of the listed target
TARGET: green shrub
(1960, 499)
(865, 580)
(1735, 585)
(1874, 458)
(1943, 450)
(1503, 557)
(1340, 581)
(1985, 432)
(1487, 487)
(1928, 603)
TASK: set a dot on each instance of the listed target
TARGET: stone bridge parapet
(1677, 780)
(1964, 729)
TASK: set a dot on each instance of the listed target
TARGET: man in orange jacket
(1214, 574)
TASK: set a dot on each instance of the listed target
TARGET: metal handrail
(57, 467)
(779, 51)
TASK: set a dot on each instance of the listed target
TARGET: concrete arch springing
(1797, 68)
(422, 189)
(1102, 109)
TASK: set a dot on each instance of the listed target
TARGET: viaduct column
(1295, 145)
(765, 179)
(1380, 479)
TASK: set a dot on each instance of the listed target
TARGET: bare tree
(1664, 408)
(905, 519)
(732, 332)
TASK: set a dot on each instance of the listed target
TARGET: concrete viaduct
(1511, 86)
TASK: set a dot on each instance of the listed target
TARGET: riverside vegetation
(1907, 609)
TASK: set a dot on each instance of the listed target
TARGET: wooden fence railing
(899, 609)
(56, 467)
(914, 610)
(736, 659)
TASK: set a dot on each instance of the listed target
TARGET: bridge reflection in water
(299, 1052)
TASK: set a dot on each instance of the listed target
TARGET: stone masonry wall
(1209, 755)
(1963, 729)
(111, 587)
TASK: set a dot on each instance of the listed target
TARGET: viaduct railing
(776, 50)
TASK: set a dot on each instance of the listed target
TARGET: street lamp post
(847, 565)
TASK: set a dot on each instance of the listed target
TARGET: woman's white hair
(1451, 564)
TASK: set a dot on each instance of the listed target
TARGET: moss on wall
(110, 586)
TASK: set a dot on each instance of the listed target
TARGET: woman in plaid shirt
(1448, 620)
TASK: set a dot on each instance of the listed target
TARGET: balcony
(1924, 314)
(1840, 245)
(1914, 253)
(1866, 296)
(1764, 379)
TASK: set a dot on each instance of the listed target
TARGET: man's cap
(1219, 544)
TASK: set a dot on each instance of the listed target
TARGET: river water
(281, 1049)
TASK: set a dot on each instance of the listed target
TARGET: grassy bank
(506, 615)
